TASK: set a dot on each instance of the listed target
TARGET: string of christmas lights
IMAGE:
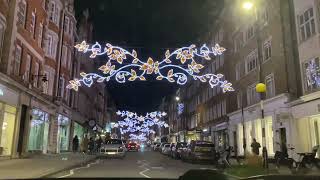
(137, 69)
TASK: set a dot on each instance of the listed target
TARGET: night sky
(150, 27)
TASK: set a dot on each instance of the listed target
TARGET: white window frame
(17, 60)
(36, 75)
(45, 85)
(304, 24)
(49, 46)
(249, 34)
(267, 45)
(270, 92)
(253, 56)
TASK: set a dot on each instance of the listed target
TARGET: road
(146, 164)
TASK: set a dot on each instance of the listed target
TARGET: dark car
(199, 151)
(177, 149)
(133, 147)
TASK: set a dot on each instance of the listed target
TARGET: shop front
(63, 133)
(220, 136)
(78, 130)
(193, 135)
(39, 131)
(8, 116)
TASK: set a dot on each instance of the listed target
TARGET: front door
(283, 140)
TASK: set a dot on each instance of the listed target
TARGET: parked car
(161, 146)
(113, 148)
(133, 147)
(199, 151)
(156, 147)
(166, 149)
(177, 149)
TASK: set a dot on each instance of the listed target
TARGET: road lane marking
(71, 172)
(142, 173)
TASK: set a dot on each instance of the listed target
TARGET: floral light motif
(135, 69)
(137, 123)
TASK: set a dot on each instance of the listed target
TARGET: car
(113, 148)
(156, 147)
(199, 151)
(166, 149)
(177, 149)
(133, 147)
(161, 146)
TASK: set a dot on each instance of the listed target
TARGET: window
(312, 74)
(40, 35)
(264, 15)
(45, 84)
(69, 59)
(267, 50)
(49, 45)
(240, 70)
(71, 28)
(33, 23)
(2, 30)
(250, 32)
(238, 42)
(219, 110)
(251, 94)
(239, 100)
(17, 60)
(221, 58)
(64, 55)
(224, 107)
(66, 24)
(22, 13)
(251, 61)
(54, 13)
(26, 75)
(307, 24)
(270, 91)
(36, 74)
(61, 87)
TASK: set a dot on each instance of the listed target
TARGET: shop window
(64, 132)
(39, 131)
(312, 74)
(7, 123)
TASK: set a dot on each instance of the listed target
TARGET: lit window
(270, 91)
(307, 24)
(17, 60)
(312, 74)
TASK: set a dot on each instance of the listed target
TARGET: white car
(113, 148)
(166, 149)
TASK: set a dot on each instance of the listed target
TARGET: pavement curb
(50, 173)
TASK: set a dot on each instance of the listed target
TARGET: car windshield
(159, 89)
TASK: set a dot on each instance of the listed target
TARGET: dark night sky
(149, 27)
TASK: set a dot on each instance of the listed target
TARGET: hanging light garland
(136, 69)
(135, 123)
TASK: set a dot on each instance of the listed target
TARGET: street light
(177, 98)
(247, 5)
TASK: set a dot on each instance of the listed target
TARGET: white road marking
(142, 173)
(71, 172)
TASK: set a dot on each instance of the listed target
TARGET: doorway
(283, 140)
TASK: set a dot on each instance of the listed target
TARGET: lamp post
(261, 89)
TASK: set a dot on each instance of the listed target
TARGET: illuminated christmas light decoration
(136, 69)
(140, 137)
(135, 123)
(313, 73)
(180, 108)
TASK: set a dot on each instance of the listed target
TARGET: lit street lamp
(177, 98)
(247, 5)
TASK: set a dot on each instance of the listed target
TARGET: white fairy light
(164, 69)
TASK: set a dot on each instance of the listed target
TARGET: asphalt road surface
(147, 164)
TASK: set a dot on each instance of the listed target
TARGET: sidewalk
(37, 166)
